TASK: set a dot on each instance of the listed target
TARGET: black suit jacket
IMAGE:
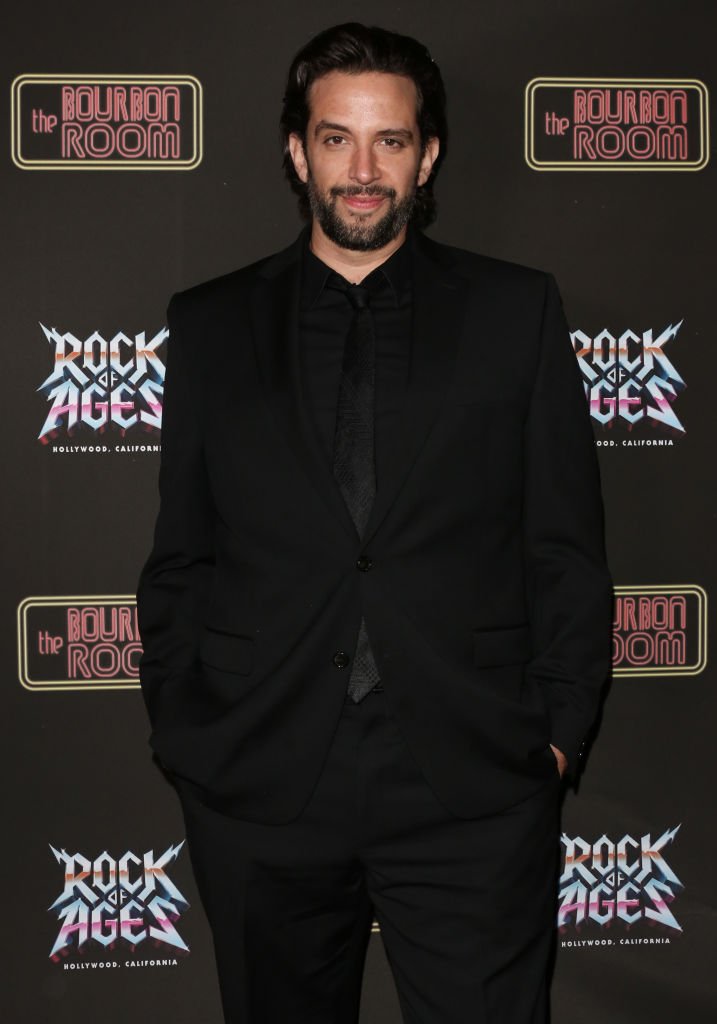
(488, 599)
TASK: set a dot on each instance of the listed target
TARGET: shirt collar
(396, 270)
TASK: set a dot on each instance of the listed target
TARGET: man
(376, 616)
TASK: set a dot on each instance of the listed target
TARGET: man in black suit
(376, 617)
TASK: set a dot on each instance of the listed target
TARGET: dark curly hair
(354, 48)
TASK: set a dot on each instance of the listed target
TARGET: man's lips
(363, 203)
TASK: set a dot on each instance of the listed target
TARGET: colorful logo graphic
(78, 643)
(629, 378)
(106, 122)
(659, 631)
(117, 900)
(100, 384)
(619, 883)
(616, 124)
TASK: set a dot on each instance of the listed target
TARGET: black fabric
(344, 333)
(466, 908)
(487, 520)
(354, 463)
(324, 319)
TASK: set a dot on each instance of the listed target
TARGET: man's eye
(392, 143)
(334, 140)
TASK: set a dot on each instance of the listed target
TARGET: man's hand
(561, 759)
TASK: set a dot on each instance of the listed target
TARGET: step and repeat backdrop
(141, 157)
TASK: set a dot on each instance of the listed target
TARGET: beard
(360, 235)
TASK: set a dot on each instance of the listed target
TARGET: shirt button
(340, 659)
(364, 563)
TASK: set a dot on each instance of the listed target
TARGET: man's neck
(352, 264)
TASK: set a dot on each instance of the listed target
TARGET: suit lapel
(439, 299)
(438, 313)
(275, 320)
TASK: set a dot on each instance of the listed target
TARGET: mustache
(363, 190)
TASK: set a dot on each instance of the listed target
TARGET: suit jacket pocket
(229, 652)
(495, 647)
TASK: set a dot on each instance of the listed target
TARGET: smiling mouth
(364, 200)
(363, 203)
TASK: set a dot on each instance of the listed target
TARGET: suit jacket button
(364, 563)
(341, 659)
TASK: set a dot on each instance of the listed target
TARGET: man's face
(362, 159)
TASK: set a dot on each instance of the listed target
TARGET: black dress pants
(466, 908)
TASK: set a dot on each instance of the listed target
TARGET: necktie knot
(357, 294)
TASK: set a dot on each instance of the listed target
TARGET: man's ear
(298, 156)
(428, 158)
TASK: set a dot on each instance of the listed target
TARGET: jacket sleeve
(569, 587)
(175, 582)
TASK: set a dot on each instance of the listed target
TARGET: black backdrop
(93, 249)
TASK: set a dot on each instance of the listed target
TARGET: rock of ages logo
(618, 884)
(106, 122)
(629, 379)
(99, 383)
(109, 902)
(613, 124)
(659, 630)
(78, 643)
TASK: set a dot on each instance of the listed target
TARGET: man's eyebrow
(324, 125)
(403, 133)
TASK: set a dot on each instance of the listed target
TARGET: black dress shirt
(324, 320)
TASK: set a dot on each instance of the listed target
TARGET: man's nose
(364, 165)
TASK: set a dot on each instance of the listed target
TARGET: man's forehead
(362, 93)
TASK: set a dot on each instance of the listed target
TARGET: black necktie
(354, 461)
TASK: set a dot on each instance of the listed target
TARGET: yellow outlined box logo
(106, 122)
(78, 643)
(616, 124)
(660, 630)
